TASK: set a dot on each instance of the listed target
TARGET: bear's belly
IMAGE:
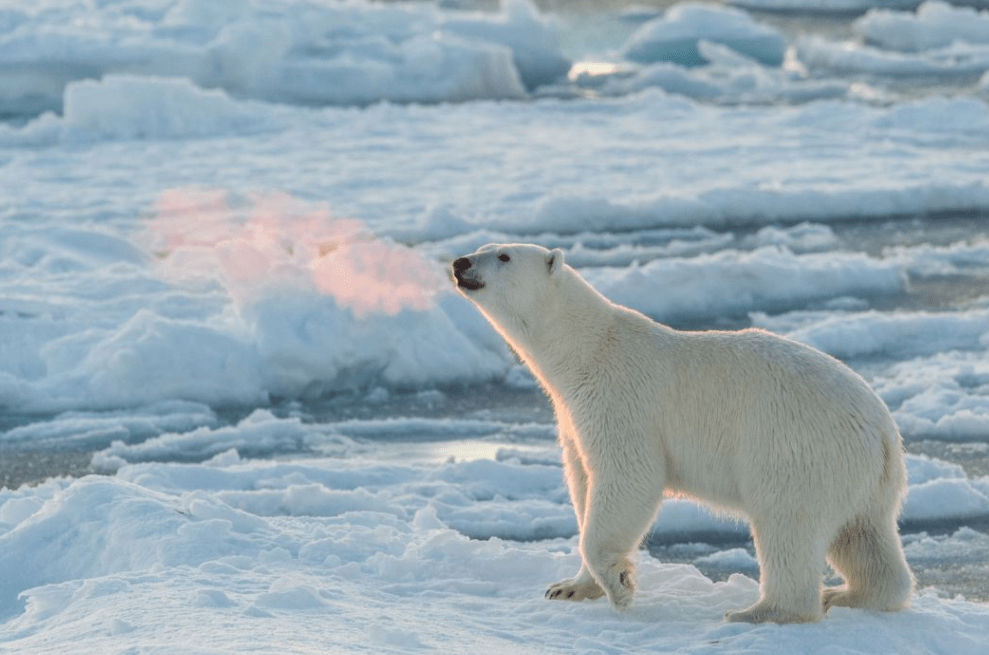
(705, 481)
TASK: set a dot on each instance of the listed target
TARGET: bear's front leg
(618, 515)
(583, 585)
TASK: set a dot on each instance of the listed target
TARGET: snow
(962, 61)
(934, 25)
(246, 278)
(130, 107)
(823, 6)
(224, 243)
(938, 490)
(733, 558)
(310, 53)
(290, 552)
(936, 40)
(675, 36)
(768, 277)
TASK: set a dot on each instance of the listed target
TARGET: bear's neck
(569, 336)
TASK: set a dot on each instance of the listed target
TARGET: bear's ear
(554, 260)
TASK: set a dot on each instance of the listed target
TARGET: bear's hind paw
(764, 613)
(838, 597)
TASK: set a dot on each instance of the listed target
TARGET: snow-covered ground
(224, 233)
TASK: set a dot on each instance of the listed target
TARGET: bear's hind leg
(868, 555)
(791, 563)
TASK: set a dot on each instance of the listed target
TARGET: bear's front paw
(621, 595)
(577, 588)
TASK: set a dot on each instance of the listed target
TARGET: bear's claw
(574, 589)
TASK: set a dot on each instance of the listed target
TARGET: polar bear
(755, 424)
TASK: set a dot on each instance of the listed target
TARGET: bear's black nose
(461, 264)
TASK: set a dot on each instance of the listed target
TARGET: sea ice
(676, 35)
(337, 53)
(275, 553)
(934, 25)
(292, 466)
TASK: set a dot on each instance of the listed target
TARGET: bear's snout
(460, 266)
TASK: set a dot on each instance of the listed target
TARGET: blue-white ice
(224, 230)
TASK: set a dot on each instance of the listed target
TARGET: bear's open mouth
(468, 283)
(460, 267)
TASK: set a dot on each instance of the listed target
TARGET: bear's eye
(504, 258)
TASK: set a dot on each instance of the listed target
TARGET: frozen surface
(308, 53)
(358, 552)
(824, 6)
(187, 283)
(224, 241)
(934, 25)
(937, 40)
(675, 36)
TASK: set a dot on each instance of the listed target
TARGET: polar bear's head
(512, 284)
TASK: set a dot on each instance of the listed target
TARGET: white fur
(750, 422)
